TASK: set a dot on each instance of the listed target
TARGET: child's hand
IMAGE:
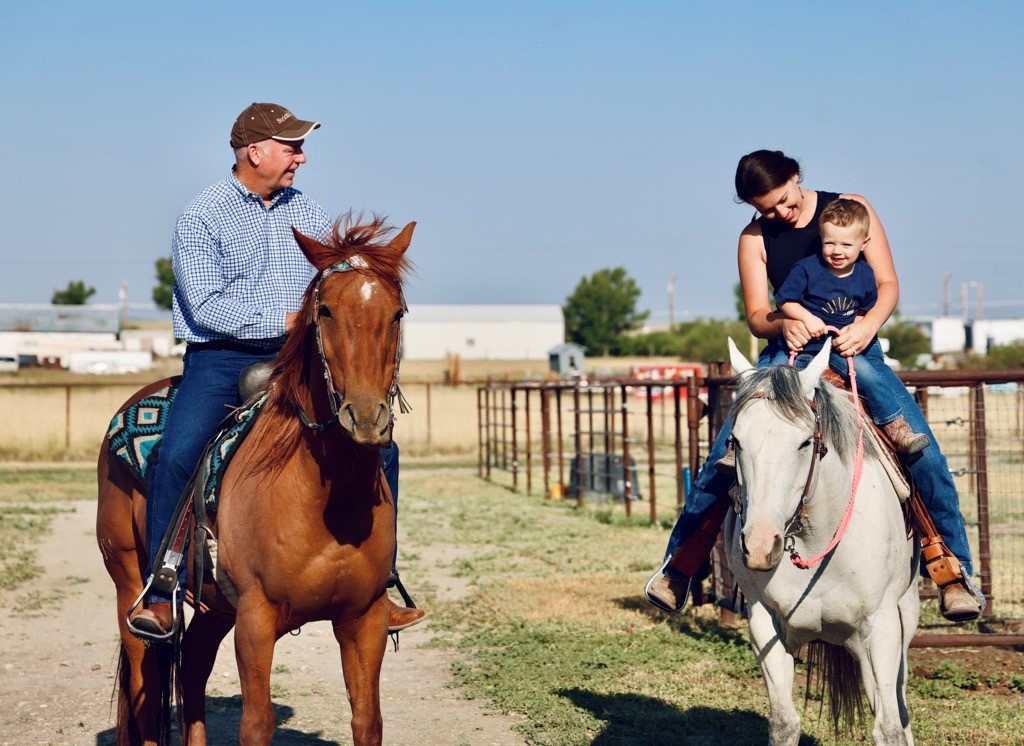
(816, 328)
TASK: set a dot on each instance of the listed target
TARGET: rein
(336, 398)
(795, 524)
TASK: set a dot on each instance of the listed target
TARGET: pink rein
(858, 468)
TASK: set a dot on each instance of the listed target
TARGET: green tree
(741, 307)
(705, 340)
(75, 294)
(601, 308)
(906, 340)
(163, 293)
(999, 356)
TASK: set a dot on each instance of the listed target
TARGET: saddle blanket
(134, 435)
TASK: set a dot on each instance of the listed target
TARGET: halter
(335, 398)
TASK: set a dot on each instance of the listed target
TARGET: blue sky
(534, 143)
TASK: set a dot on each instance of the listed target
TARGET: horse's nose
(369, 423)
(761, 552)
(347, 417)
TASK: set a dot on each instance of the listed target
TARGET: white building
(995, 332)
(949, 334)
(482, 331)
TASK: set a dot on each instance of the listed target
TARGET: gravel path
(56, 675)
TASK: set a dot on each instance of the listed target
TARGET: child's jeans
(872, 383)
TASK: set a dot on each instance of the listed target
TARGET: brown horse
(305, 520)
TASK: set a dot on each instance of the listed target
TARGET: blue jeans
(209, 389)
(872, 382)
(928, 468)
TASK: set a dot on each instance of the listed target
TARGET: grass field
(554, 629)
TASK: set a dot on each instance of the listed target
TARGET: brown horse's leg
(255, 635)
(362, 644)
(138, 719)
(199, 653)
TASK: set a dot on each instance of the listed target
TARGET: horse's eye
(398, 317)
(325, 312)
(806, 443)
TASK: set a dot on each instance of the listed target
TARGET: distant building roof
(38, 317)
(566, 347)
(462, 312)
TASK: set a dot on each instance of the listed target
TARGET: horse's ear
(740, 364)
(810, 375)
(317, 254)
(401, 242)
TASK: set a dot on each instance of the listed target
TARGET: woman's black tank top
(785, 246)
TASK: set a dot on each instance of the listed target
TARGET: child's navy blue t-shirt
(834, 300)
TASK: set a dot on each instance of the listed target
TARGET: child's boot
(727, 464)
(905, 440)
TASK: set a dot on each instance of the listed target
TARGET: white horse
(861, 601)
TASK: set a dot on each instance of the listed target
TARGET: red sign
(664, 372)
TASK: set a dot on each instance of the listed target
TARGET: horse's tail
(168, 656)
(127, 728)
(834, 667)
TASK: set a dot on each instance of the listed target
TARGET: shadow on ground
(222, 717)
(683, 622)
(637, 719)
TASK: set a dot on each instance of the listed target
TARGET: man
(239, 280)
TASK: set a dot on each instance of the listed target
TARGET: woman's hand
(796, 334)
(855, 338)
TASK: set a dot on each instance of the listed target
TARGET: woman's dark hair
(761, 171)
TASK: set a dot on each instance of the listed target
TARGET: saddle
(134, 436)
(940, 564)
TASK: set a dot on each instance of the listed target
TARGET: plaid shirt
(237, 268)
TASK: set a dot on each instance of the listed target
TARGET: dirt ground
(56, 675)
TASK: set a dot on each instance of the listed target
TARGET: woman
(785, 232)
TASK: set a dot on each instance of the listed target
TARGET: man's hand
(855, 338)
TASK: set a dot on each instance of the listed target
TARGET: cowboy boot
(155, 619)
(905, 440)
(668, 593)
(403, 617)
(958, 604)
(727, 464)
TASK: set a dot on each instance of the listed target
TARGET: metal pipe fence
(633, 443)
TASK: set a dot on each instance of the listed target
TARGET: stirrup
(165, 580)
(396, 582)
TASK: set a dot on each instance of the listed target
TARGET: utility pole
(945, 293)
(963, 302)
(671, 302)
(981, 304)
(123, 297)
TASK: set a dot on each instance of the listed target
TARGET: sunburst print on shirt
(840, 306)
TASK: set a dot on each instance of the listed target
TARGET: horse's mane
(349, 237)
(780, 385)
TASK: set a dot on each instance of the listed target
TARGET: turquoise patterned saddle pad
(135, 433)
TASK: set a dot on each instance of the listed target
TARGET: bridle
(795, 524)
(336, 398)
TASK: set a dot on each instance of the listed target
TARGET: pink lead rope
(857, 469)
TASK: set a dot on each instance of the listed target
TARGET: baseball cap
(264, 121)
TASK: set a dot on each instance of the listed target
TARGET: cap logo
(287, 115)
